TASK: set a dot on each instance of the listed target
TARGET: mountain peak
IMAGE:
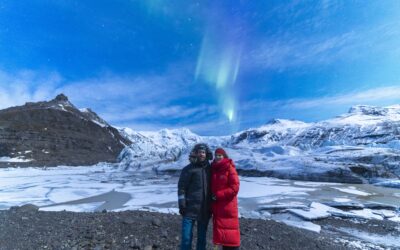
(368, 110)
(61, 98)
(55, 133)
(279, 121)
(284, 123)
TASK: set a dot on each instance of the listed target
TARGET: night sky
(215, 67)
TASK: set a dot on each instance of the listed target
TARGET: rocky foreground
(27, 228)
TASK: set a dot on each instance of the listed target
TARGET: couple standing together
(206, 190)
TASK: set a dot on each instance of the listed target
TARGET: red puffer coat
(225, 186)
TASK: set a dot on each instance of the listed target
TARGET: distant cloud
(281, 53)
(156, 111)
(27, 86)
(143, 100)
(284, 49)
(372, 96)
(212, 127)
(260, 111)
(382, 94)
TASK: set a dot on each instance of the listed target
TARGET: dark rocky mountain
(55, 132)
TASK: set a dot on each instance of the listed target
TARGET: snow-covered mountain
(150, 148)
(355, 147)
(361, 126)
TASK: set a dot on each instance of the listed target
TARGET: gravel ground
(27, 228)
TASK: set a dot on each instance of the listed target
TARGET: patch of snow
(15, 159)
(62, 107)
(358, 244)
(341, 200)
(89, 207)
(389, 183)
(99, 123)
(395, 219)
(84, 110)
(384, 240)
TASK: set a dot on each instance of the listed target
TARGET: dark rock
(156, 222)
(13, 209)
(49, 231)
(164, 234)
(28, 208)
(128, 221)
(61, 98)
(56, 133)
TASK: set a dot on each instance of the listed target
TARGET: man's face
(201, 154)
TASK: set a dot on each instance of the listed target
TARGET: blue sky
(215, 67)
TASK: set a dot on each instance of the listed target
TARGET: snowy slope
(149, 148)
(363, 125)
(362, 145)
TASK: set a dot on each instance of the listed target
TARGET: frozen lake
(105, 186)
(93, 188)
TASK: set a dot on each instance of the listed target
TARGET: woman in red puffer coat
(224, 189)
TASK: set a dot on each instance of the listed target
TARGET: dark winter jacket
(194, 191)
(225, 187)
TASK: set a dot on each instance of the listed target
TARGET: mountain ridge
(359, 146)
(362, 145)
(55, 132)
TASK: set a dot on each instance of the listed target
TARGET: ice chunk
(295, 221)
(385, 213)
(367, 213)
(315, 212)
(345, 205)
(279, 207)
(352, 190)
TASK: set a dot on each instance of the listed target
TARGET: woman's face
(218, 157)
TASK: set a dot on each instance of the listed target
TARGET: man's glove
(182, 206)
(181, 211)
(213, 197)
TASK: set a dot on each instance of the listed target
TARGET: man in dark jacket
(194, 196)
